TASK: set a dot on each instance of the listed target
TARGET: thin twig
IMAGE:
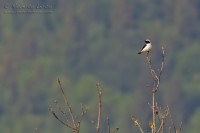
(180, 126)
(161, 126)
(137, 124)
(155, 79)
(67, 104)
(108, 124)
(83, 112)
(154, 118)
(116, 129)
(65, 124)
(160, 71)
(172, 122)
(61, 110)
(99, 90)
(169, 129)
(162, 64)
(157, 112)
(164, 116)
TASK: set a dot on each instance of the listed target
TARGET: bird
(147, 46)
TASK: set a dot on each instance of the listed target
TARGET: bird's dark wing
(144, 46)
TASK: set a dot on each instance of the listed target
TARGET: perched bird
(147, 46)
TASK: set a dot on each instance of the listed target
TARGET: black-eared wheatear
(147, 46)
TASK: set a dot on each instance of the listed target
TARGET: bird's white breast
(147, 48)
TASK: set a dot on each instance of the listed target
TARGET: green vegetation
(83, 42)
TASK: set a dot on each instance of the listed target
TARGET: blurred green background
(86, 41)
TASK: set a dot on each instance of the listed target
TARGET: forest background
(83, 42)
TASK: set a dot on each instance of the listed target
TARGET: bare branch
(160, 71)
(67, 104)
(61, 110)
(172, 123)
(65, 124)
(164, 116)
(99, 90)
(180, 126)
(156, 77)
(137, 124)
(174, 127)
(116, 129)
(162, 64)
(169, 129)
(156, 82)
(108, 120)
(83, 112)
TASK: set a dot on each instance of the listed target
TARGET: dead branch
(156, 81)
(156, 77)
(69, 116)
(162, 64)
(163, 120)
(137, 124)
(65, 124)
(180, 126)
(174, 127)
(108, 120)
(61, 110)
(157, 112)
(169, 129)
(99, 91)
(172, 123)
(67, 104)
(116, 129)
(83, 112)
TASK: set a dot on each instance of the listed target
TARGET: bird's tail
(139, 52)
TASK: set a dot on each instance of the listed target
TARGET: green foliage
(188, 68)
(194, 122)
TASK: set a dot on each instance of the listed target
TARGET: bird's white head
(147, 41)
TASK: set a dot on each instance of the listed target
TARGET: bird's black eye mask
(147, 41)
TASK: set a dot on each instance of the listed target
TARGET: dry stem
(70, 118)
(65, 124)
(108, 124)
(67, 104)
(116, 129)
(164, 116)
(174, 127)
(156, 79)
(99, 90)
(137, 124)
